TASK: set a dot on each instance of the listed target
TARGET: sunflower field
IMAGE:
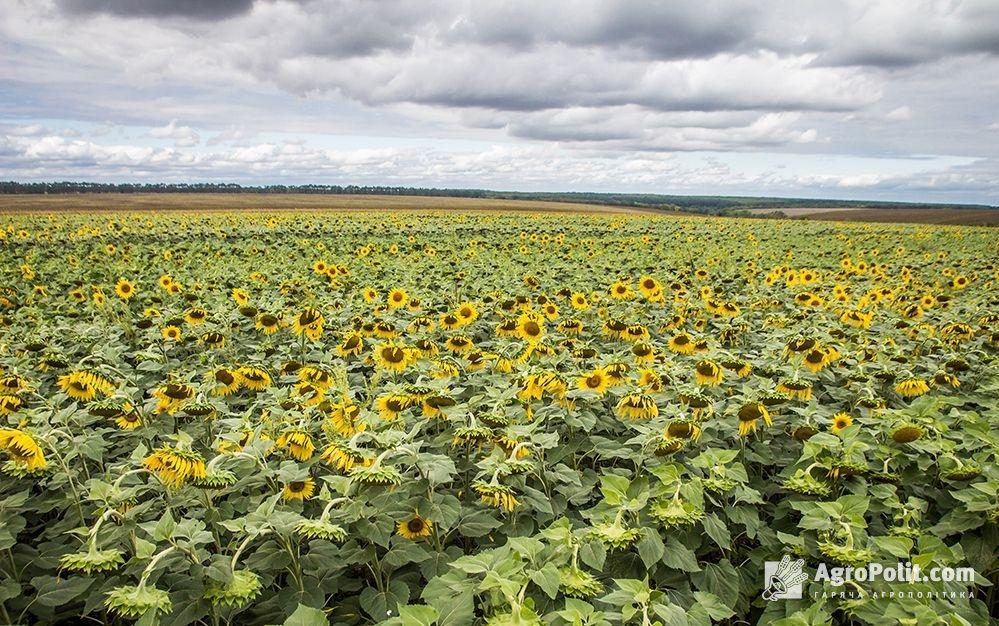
(513, 419)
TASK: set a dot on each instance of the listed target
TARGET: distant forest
(715, 205)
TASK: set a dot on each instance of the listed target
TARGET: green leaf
(417, 615)
(306, 616)
(716, 529)
(714, 605)
(457, 610)
(478, 524)
(720, 579)
(679, 556)
(671, 614)
(380, 605)
(895, 546)
(164, 528)
(593, 553)
(614, 488)
(650, 547)
(56, 592)
(548, 579)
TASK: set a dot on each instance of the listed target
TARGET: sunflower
(415, 528)
(298, 442)
(637, 406)
(84, 385)
(649, 286)
(397, 297)
(840, 421)
(298, 490)
(393, 357)
(907, 432)
(22, 448)
(459, 344)
(128, 421)
(621, 290)
(268, 323)
(530, 328)
(749, 414)
(318, 376)
(392, 405)
(171, 396)
(240, 296)
(911, 387)
(595, 380)
(125, 289)
(171, 333)
(213, 339)
(134, 602)
(343, 458)
(352, 345)
(254, 378)
(175, 466)
(496, 495)
(14, 383)
(467, 313)
(310, 322)
(9, 403)
(78, 295)
(579, 301)
(800, 389)
(682, 343)
(225, 381)
(195, 317)
(708, 373)
(815, 359)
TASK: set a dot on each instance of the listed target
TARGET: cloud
(195, 9)
(640, 78)
(230, 135)
(901, 114)
(183, 136)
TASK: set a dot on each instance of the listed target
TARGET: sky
(889, 99)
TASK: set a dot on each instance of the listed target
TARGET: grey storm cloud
(195, 9)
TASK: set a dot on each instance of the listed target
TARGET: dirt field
(224, 201)
(971, 217)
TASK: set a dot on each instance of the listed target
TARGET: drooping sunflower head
(243, 588)
(22, 448)
(907, 432)
(92, 561)
(195, 316)
(749, 414)
(133, 602)
(708, 373)
(174, 465)
(378, 475)
(576, 583)
(254, 378)
(496, 495)
(637, 406)
(298, 443)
